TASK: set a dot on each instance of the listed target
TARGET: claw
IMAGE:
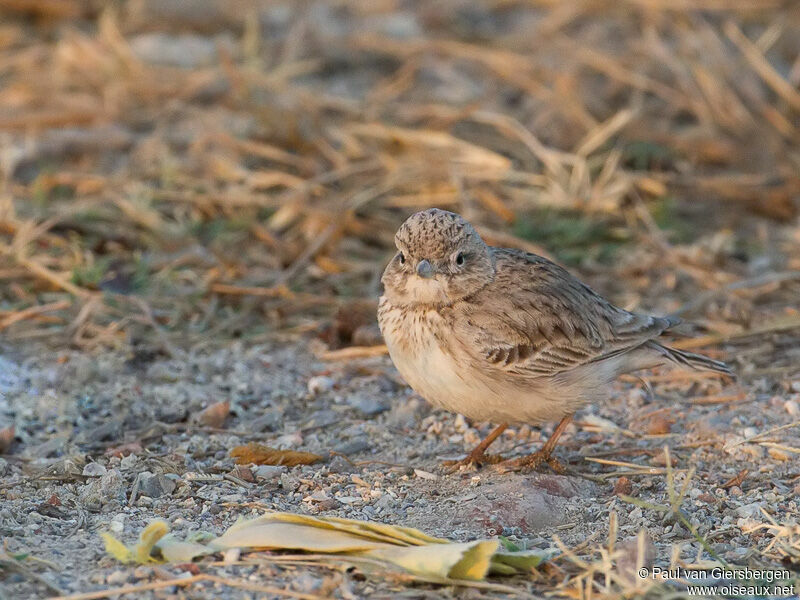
(473, 460)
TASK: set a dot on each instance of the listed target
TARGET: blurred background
(177, 171)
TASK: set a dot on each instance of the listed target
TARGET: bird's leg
(543, 454)
(478, 455)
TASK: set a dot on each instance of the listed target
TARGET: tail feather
(691, 360)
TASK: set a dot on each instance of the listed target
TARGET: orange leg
(543, 454)
(478, 456)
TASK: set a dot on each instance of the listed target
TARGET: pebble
(269, 421)
(268, 471)
(368, 405)
(94, 469)
(3, 466)
(795, 386)
(749, 510)
(127, 463)
(792, 407)
(341, 465)
(319, 384)
(155, 485)
(353, 447)
(117, 578)
(115, 526)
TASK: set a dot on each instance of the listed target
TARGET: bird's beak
(424, 269)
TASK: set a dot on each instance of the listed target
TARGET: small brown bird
(507, 336)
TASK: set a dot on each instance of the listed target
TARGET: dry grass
(262, 185)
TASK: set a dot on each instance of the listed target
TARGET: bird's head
(440, 260)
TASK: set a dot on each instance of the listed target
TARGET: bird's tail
(691, 360)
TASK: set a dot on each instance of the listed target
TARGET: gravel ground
(64, 480)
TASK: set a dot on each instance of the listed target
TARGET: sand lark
(507, 336)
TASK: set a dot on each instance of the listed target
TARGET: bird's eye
(460, 259)
(402, 258)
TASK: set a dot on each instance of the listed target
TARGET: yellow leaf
(148, 538)
(293, 536)
(469, 560)
(175, 550)
(403, 547)
(116, 548)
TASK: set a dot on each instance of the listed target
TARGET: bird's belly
(432, 363)
(434, 375)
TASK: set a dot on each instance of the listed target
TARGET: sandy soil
(382, 446)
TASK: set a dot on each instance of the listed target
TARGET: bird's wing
(537, 320)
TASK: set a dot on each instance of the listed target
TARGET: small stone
(3, 466)
(735, 491)
(353, 447)
(405, 413)
(320, 384)
(156, 485)
(268, 471)
(243, 473)
(94, 469)
(385, 502)
(329, 504)
(460, 424)
(127, 463)
(792, 407)
(795, 386)
(172, 413)
(269, 421)
(367, 405)
(749, 510)
(116, 527)
(340, 465)
(425, 475)
(318, 496)
(117, 578)
(110, 486)
(749, 432)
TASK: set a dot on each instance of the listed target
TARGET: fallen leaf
(404, 547)
(214, 415)
(116, 548)
(179, 551)
(260, 454)
(141, 552)
(396, 546)
(6, 438)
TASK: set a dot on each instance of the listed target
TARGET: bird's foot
(532, 462)
(473, 460)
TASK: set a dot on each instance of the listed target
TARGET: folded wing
(547, 321)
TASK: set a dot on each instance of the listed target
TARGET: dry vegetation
(175, 173)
